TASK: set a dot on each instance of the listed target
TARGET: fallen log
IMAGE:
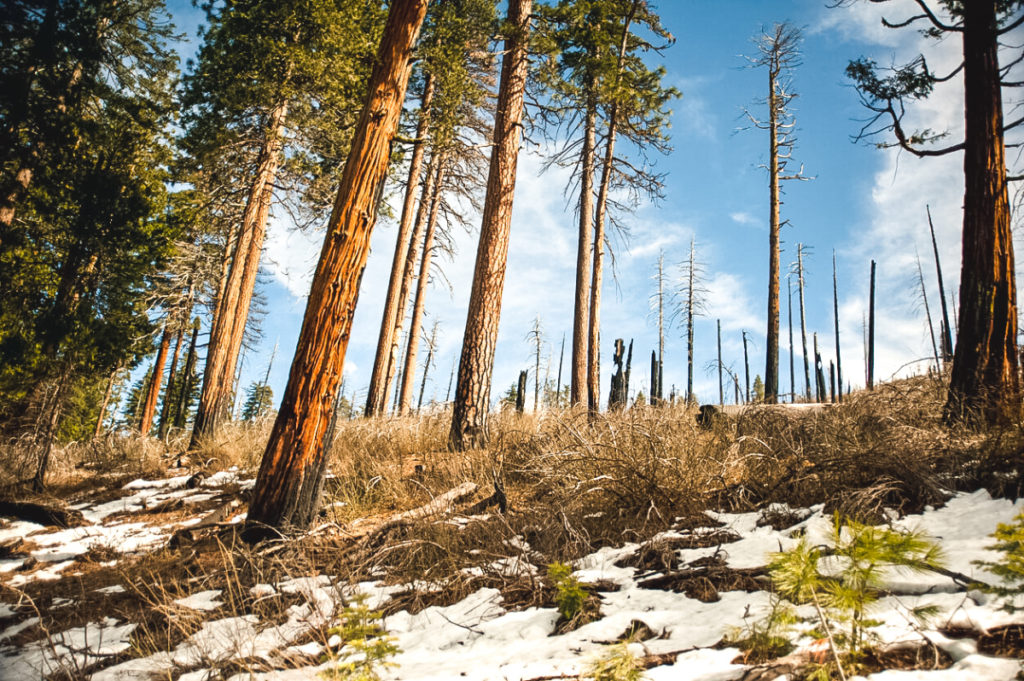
(42, 514)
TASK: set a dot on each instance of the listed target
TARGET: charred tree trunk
(835, 317)
(558, 383)
(376, 396)
(232, 312)
(721, 390)
(419, 301)
(985, 384)
(654, 377)
(521, 393)
(746, 366)
(947, 338)
(871, 330)
(771, 370)
(803, 318)
(473, 390)
(287, 490)
(617, 394)
(578, 390)
(153, 392)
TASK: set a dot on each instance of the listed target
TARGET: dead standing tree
(778, 53)
(690, 303)
(473, 389)
(288, 485)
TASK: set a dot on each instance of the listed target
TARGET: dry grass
(573, 484)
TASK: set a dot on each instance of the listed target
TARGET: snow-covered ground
(480, 638)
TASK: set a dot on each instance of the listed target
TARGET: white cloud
(744, 218)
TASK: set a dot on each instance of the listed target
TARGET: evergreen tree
(259, 400)
(273, 98)
(985, 383)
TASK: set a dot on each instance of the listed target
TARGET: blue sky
(864, 203)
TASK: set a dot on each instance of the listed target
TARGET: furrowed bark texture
(578, 388)
(377, 394)
(149, 407)
(985, 384)
(473, 390)
(233, 304)
(290, 477)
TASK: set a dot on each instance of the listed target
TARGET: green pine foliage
(570, 598)
(1010, 567)
(85, 104)
(368, 648)
(842, 581)
(259, 400)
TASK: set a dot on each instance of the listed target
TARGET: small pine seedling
(367, 645)
(570, 596)
(850, 583)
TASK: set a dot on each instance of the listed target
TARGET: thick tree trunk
(153, 392)
(771, 369)
(473, 390)
(580, 360)
(288, 485)
(985, 384)
(419, 301)
(232, 312)
(377, 394)
(165, 409)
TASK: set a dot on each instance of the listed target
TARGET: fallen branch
(43, 514)
(436, 506)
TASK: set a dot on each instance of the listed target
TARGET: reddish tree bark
(232, 311)
(580, 356)
(149, 406)
(377, 394)
(419, 302)
(473, 391)
(287, 491)
(985, 383)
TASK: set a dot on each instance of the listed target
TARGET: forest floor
(668, 530)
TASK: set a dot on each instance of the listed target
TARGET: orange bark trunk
(412, 349)
(149, 406)
(473, 391)
(377, 394)
(287, 491)
(233, 304)
(580, 359)
(985, 383)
